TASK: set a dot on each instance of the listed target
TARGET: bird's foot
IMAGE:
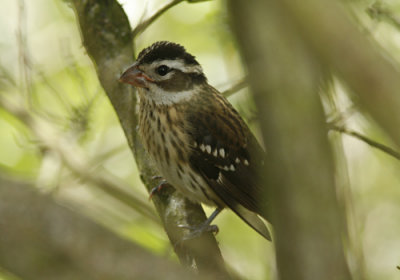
(156, 189)
(197, 231)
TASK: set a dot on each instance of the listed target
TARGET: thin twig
(367, 140)
(72, 157)
(235, 87)
(147, 22)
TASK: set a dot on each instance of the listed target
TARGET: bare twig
(235, 87)
(338, 45)
(73, 158)
(367, 140)
(147, 22)
(340, 117)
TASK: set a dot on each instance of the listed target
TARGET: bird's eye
(162, 70)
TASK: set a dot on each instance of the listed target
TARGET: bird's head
(165, 73)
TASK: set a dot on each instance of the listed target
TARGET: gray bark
(299, 174)
(107, 37)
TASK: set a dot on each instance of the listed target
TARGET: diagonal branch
(148, 21)
(75, 160)
(338, 45)
(367, 140)
(235, 87)
(107, 37)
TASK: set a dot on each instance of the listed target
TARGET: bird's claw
(156, 189)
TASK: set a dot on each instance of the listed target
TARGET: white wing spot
(202, 148)
(246, 162)
(232, 168)
(237, 160)
(208, 148)
(226, 168)
(222, 153)
(215, 153)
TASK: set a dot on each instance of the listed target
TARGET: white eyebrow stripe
(180, 65)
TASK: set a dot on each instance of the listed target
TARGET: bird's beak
(134, 76)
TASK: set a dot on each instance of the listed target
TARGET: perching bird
(199, 143)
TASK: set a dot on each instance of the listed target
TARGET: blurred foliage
(43, 66)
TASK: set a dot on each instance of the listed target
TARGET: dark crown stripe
(165, 50)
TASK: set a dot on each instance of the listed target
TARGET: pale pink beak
(134, 76)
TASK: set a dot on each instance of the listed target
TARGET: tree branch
(142, 26)
(235, 87)
(41, 240)
(148, 21)
(367, 140)
(107, 37)
(72, 157)
(299, 178)
(367, 70)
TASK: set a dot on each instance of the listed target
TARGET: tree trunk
(299, 174)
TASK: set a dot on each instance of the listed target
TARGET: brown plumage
(198, 141)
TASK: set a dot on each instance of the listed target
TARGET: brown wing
(229, 157)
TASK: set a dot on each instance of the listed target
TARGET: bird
(198, 141)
